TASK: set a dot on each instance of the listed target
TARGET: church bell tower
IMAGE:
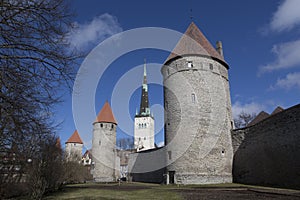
(144, 121)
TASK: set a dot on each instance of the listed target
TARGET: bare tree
(75, 172)
(36, 63)
(45, 171)
(243, 119)
(125, 143)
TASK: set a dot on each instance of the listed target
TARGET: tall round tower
(198, 118)
(104, 146)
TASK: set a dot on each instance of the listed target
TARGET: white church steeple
(143, 121)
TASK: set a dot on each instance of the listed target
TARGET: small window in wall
(168, 71)
(170, 155)
(190, 64)
(223, 152)
(99, 142)
(144, 138)
(193, 98)
(211, 67)
(112, 126)
(166, 105)
(101, 125)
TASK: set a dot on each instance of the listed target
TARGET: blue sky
(261, 41)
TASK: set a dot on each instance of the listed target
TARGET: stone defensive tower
(104, 146)
(144, 121)
(198, 117)
(74, 147)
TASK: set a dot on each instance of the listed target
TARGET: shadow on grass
(134, 191)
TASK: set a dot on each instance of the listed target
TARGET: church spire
(144, 106)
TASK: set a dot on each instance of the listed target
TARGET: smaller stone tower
(74, 147)
(104, 146)
(144, 121)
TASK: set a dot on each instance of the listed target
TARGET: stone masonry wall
(268, 153)
(147, 166)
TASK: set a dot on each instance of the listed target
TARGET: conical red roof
(75, 138)
(106, 114)
(194, 42)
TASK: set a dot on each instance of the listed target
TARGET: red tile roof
(194, 42)
(106, 114)
(277, 110)
(87, 153)
(57, 143)
(75, 138)
(261, 116)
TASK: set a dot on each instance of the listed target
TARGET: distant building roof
(57, 143)
(194, 42)
(261, 116)
(75, 138)
(277, 110)
(87, 154)
(106, 114)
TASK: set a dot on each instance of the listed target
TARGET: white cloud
(287, 56)
(287, 16)
(250, 108)
(93, 32)
(291, 80)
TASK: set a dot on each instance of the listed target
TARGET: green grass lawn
(114, 191)
(146, 191)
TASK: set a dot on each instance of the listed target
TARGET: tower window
(99, 142)
(190, 64)
(223, 152)
(168, 71)
(166, 105)
(193, 98)
(211, 67)
(112, 126)
(144, 138)
(170, 155)
(101, 125)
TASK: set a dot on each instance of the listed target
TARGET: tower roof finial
(191, 15)
(145, 72)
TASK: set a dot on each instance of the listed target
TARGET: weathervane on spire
(191, 14)
(145, 73)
